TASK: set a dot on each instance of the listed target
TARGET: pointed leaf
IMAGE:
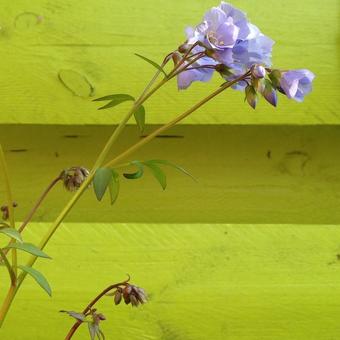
(37, 276)
(101, 181)
(137, 174)
(177, 167)
(115, 99)
(114, 187)
(93, 329)
(154, 64)
(157, 172)
(77, 316)
(11, 232)
(140, 118)
(29, 248)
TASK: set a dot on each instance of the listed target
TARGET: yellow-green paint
(90, 46)
(242, 281)
(245, 174)
(206, 281)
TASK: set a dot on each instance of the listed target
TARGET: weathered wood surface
(246, 174)
(58, 55)
(224, 282)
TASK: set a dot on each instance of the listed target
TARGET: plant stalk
(90, 305)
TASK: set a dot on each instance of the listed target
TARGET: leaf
(177, 167)
(137, 174)
(93, 329)
(114, 187)
(11, 232)
(101, 181)
(37, 276)
(157, 172)
(77, 316)
(29, 248)
(115, 99)
(140, 118)
(154, 64)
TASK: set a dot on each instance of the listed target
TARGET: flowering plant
(225, 42)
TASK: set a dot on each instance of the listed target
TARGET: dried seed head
(5, 211)
(118, 296)
(74, 177)
(134, 295)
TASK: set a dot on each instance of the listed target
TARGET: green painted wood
(219, 281)
(245, 174)
(57, 56)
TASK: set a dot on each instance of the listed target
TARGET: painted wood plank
(57, 56)
(246, 174)
(213, 281)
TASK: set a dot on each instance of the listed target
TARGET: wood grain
(245, 174)
(92, 46)
(206, 281)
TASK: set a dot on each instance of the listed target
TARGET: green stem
(11, 294)
(10, 207)
(167, 126)
(9, 267)
(90, 305)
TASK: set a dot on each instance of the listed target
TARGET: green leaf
(37, 276)
(157, 172)
(76, 315)
(177, 167)
(114, 187)
(154, 64)
(115, 99)
(11, 232)
(29, 248)
(93, 330)
(101, 181)
(137, 174)
(140, 118)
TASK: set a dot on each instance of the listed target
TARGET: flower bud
(251, 96)
(275, 77)
(118, 297)
(258, 71)
(269, 93)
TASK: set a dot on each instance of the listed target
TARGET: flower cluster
(131, 294)
(226, 42)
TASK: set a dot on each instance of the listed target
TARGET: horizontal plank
(216, 281)
(57, 57)
(245, 174)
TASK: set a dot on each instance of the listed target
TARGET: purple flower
(196, 71)
(231, 40)
(227, 31)
(297, 83)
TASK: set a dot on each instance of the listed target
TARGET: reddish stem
(91, 304)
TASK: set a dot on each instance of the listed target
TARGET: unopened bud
(258, 71)
(251, 96)
(118, 297)
(275, 77)
(269, 93)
